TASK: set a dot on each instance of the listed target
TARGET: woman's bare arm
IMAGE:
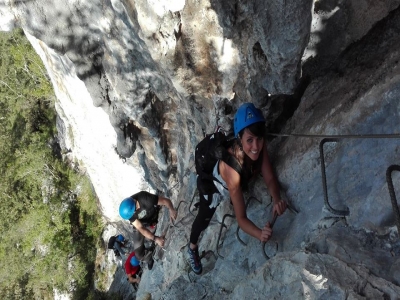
(148, 234)
(167, 202)
(232, 179)
(272, 184)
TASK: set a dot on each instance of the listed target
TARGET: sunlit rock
(138, 83)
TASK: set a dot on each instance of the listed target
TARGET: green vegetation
(49, 221)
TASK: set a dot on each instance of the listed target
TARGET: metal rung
(220, 231)
(324, 186)
(237, 230)
(393, 194)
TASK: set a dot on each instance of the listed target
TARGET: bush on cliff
(49, 222)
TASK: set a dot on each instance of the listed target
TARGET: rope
(339, 136)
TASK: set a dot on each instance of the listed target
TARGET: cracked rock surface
(138, 83)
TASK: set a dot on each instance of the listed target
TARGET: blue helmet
(120, 238)
(246, 115)
(127, 208)
(134, 261)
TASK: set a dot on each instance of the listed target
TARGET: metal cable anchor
(264, 243)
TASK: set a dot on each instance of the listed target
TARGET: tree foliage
(49, 220)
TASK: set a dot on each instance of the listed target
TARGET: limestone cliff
(139, 82)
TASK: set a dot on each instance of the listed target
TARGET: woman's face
(252, 145)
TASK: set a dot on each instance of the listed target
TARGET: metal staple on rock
(153, 244)
(291, 209)
(334, 138)
(324, 186)
(392, 194)
(220, 231)
(175, 224)
(264, 243)
(237, 230)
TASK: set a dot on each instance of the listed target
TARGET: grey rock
(153, 77)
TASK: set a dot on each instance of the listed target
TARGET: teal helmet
(134, 261)
(246, 115)
(127, 208)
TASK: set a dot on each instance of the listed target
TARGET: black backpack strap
(233, 163)
(230, 161)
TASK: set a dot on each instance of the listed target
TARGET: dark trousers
(138, 245)
(202, 220)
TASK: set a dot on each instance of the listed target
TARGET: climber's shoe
(194, 260)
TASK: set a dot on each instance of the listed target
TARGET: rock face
(139, 82)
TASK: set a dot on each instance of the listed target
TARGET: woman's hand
(167, 202)
(279, 207)
(266, 232)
